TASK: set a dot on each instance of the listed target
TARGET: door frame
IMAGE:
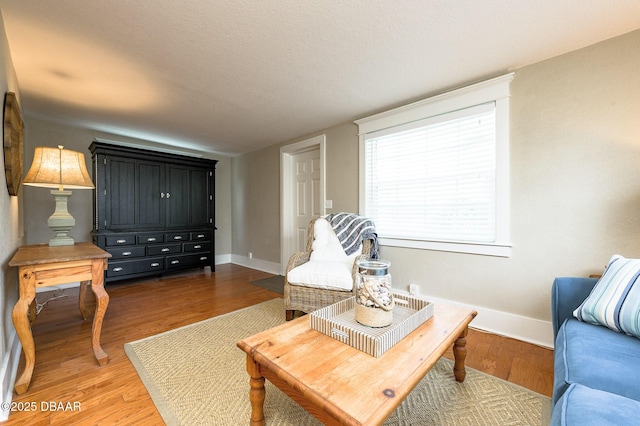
(287, 153)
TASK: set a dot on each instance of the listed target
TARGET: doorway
(302, 193)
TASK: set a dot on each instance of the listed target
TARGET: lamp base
(61, 222)
(61, 239)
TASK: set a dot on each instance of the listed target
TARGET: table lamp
(61, 169)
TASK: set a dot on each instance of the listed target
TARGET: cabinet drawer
(201, 236)
(120, 240)
(197, 246)
(150, 238)
(177, 236)
(126, 252)
(128, 267)
(163, 249)
(188, 261)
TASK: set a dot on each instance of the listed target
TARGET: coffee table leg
(460, 354)
(257, 392)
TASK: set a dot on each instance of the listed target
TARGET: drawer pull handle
(151, 239)
(155, 264)
(177, 237)
(118, 269)
(200, 236)
(166, 249)
(121, 241)
(126, 253)
(175, 262)
(197, 247)
(204, 258)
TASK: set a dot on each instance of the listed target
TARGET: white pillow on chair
(326, 245)
(329, 267)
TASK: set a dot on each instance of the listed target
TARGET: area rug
(275, 283)
(196, 376)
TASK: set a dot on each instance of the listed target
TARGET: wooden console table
(44, 266)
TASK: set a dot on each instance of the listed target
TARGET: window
(435, 174)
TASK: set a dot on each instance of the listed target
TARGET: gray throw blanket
(352, 229)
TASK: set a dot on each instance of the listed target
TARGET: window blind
(434, 179)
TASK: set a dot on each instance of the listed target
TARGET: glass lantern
(374, 299)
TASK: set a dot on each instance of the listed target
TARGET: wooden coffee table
(339, 384)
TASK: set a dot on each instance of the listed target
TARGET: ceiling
(233, 76)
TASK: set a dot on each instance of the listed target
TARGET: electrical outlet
(413, 289)
(328, 204)
(250, 255)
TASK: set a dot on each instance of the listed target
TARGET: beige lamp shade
(58, 168)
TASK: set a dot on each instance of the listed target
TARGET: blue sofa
(596, 369)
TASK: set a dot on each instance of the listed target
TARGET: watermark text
(42, 406)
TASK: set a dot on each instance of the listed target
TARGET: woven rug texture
(196, 376)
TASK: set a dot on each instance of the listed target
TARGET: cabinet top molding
(97, 147)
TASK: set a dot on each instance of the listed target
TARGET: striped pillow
(614, 302)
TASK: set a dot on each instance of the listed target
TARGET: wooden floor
(67, 372)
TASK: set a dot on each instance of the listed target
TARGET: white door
(302, 193)
(306, 195)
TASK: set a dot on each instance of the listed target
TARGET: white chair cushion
(323, 274)
(326, 246)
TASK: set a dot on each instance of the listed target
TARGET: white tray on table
(338, 321)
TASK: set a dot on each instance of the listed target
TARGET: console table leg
(460, 354)
(85, 310)
(102, 301)
(257, 392)
(33, 311)
(21, 316)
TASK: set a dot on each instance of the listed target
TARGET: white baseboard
(518, 327)
(221, 259)
(8, 373)
(260, 265)
(506, 324)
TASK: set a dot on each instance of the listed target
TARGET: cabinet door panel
(199, 197)
(151, 213)
(121, 192)
(178, 196)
